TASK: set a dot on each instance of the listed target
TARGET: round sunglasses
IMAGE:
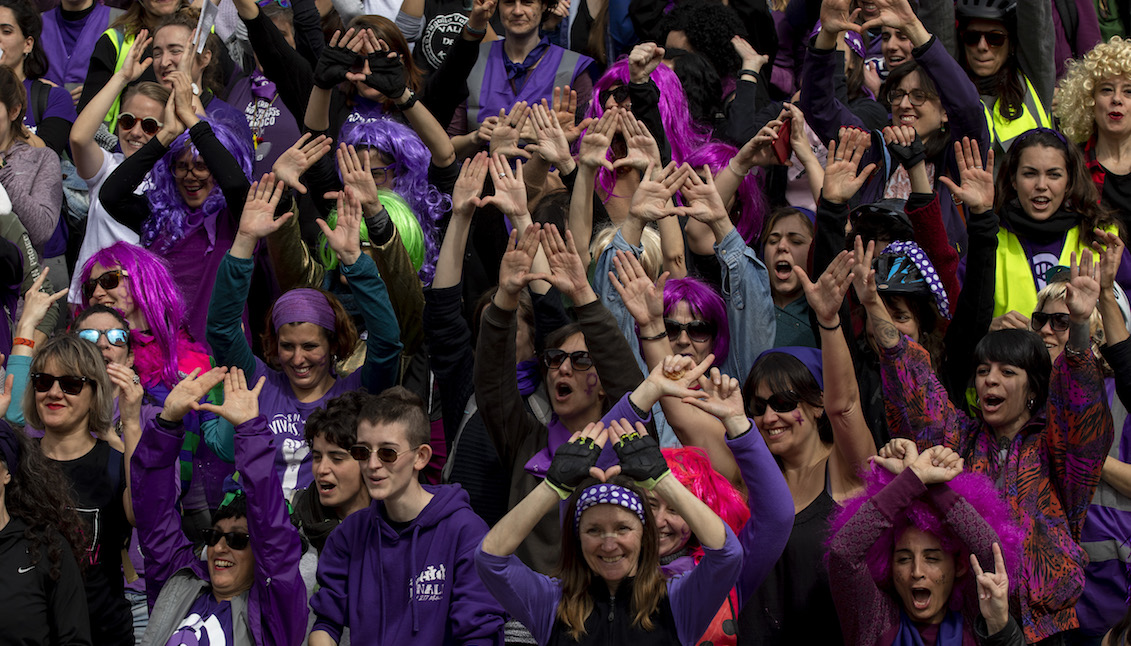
(361, 453)
(783, 402)
(42, 382)
(149, 125)
(115, 336)
(235, 540)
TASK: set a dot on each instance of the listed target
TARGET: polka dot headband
(919, 257)
(608, 494)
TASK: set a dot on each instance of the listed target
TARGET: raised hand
(652, 199)
(937, 464)
(838, 16)
(507, 132)
(894, 13)
(677, 373)
(751, 59)
(1083, 287)
(386, 72)
(759, 151)
(906, 146)
(720, 396)
(130, 391)
(643, 60)
(642, 147)
(798, 140)
(514, 270)
(897, 455)
(977, 189)
(134, 65)
(240, 404)
(564, 109)
(993, 591)
(36, 304)
(190, 390)
(510, 188)
(703, 201)
(6, 395)
(469, 186)
(297, 159)
(1109, 247)
(863, 276)
(552, 144)
(345, 237)
(567, 272)
(643, 299)
(576, 460)
(337, 58)
(841, 178)
(826, 296)
(258, 219)
(481, 12)
(357, 175)
(640, 456)
(594, 148)
(1011, 320)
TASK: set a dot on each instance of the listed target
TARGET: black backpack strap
(1069, 19)
(39, 92)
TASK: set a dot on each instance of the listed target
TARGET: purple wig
(750, 206)
(411, 160)
(171, 218)
(155, 295)
(976, 489)
(683, 134)
(706, 304)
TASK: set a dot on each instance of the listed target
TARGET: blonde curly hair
(1077, 99)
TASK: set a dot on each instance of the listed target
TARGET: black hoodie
(34, 609)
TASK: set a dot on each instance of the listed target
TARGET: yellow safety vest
(123, 49)
(1003, 131)
(1014, 288)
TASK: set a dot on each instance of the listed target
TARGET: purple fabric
(558, 435)
(303, 305)
(607, 494)
(1086, 37)
(59, 104)
(70, 45)
(276, 126)
(193, 263)
(497, 93)
(209, 623)
(809, 357)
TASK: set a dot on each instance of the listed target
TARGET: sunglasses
(106, 281)
(149, 125)
(619, 94)
(1059, 322)
(783, 402)
(697, 331)
(578, 360)
(995, 39)
(42, 382)
(115, 336)
(917, 97)
(361, 453)
(235, 540)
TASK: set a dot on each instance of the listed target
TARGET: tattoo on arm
(887, 336)
(1079, 337)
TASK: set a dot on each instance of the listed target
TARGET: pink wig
(976, 489)
(154, 293)
(706, 304)
(691, 466)
(750, 204)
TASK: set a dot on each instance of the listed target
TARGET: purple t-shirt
(273, 127)
(209, 623)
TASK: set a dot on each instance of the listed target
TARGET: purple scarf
(950, 631)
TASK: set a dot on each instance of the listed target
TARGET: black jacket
(34, 609)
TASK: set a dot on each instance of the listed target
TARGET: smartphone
(782, 148)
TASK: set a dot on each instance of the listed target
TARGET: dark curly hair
(701, 85)
(709, 26)
(40, 495)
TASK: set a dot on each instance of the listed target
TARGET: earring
(1032, 402)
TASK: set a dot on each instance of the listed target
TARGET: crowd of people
(777, 322)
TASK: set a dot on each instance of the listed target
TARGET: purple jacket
(277, 600)
(413, 586)
(965, 117)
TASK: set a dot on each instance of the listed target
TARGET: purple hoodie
(396, 587)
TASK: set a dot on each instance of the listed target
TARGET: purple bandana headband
(303, 305)
(919, 257)
(608, 494)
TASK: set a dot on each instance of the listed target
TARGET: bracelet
(22, 341)
(411, 101)
(473, 31)
(730, 167)
(655, 337)
(744, 72)
(830, 329)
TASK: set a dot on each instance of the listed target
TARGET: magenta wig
(155, 295)
(976, 489)
(683, 134)
(705, 304)
(691, 466)
(750, 205)
(171, 218)
(411, 160)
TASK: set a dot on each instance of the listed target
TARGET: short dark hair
(237, 508)
(399, 405)
(1021, 348)
(782, 372)
(103, 309)
(337, 422)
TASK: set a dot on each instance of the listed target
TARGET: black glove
(571, 465)
(386, 75)
(641, 459)
(908, 156)
(333, 65)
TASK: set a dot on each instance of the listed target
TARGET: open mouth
(908, 119)
(896, 60)
(1115, 116)
(921, 598)
(301, 372)
(1041, 201)
(133, 143)
(783, 269)
(774, 432)
(222, 564)
(991, 403)
(562, 390)
(326, 487)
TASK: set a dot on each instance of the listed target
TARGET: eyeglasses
(917, 97)
(619, 94)
(698, 331)
(361, 453)
(149, 125)
(1059, 322)
(235, 540)
(995, 39)
(42, 382)
(198, 169)
(114, 336)
(106, 281)
(783, 402)
(578, 360)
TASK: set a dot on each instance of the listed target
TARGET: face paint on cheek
(590, 383)
(797, 417)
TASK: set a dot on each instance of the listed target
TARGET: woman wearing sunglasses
(248, 589)
(308, 330)
(70, 400)
(140, 119)
(1038, 428)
